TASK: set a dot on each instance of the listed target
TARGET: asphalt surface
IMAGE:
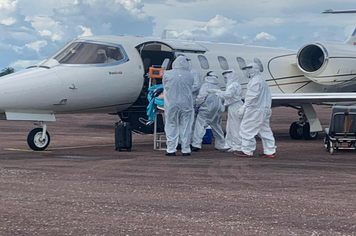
(81, 186)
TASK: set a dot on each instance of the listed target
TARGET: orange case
(156, 73)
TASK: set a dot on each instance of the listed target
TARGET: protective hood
(252, 70)
(180, 63)
(230, 77)
(211, 78)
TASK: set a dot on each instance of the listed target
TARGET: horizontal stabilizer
(30, 115)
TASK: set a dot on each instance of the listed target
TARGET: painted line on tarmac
(25, 150)
(88, 146)
(59, 148)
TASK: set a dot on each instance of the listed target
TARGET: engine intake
(328, 63)
(311, 58)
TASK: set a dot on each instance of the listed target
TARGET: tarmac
(81, 186)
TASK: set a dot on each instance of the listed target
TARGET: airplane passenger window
(241, 62)
(223, 63)
(203, 62)
(259, 63)
(89, 53)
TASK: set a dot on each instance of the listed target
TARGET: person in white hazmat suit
(256, 113)
(178, 106)
(210, 111)
(233, 101)
(195, 91)
(197, 82)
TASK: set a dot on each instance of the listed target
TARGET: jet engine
(328, 63)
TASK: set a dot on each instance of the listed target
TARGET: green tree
(6, 71)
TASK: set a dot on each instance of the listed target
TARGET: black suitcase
(123, 137)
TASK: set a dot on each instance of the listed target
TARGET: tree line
(6, 71)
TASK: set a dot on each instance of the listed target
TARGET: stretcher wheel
(327, 144)
(330, 147)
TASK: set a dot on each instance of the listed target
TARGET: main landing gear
(301, 129)
(38, 139)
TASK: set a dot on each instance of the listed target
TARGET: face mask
(225, 79)
(249, 74)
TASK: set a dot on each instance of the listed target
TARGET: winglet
(352, 39)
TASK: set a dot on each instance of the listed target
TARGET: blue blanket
(154, 101)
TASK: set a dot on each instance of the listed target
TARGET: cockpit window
(89, 53)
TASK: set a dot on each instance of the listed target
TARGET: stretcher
(159, 138)
(154, 111)
(341, 134)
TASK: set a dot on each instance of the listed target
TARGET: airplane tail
(352, 39)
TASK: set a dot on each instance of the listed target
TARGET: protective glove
(240, 112)
(213, 90)
(222, 108)
(196, 110)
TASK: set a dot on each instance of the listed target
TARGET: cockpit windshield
(89, 53)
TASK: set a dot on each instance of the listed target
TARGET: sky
(32, 30)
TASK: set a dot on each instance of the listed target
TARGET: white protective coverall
(257, 113)
(178, 105)
(232, 99)
(210, 111)
(197, 82)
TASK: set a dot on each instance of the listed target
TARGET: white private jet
(110, 74)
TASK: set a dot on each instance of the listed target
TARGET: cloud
(216, 28)
(9, 21)
(103, 17)
(8, 5)
(37, 32)
(276, 23)
(86, 31)
(37, 45)
(264, 36)
(8, 12)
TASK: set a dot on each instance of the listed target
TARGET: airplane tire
(296, 131)
(34, 142)
(307, 134)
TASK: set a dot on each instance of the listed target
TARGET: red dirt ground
(81, 186)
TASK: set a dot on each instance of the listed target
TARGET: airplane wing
(314, 98)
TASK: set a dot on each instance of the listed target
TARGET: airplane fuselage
(112, 87)
(110, 74)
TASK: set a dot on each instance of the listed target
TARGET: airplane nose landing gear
(38, 139)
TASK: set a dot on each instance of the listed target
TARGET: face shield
(211, 78)
(225, 79)
(251, 70)
(229, 76)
